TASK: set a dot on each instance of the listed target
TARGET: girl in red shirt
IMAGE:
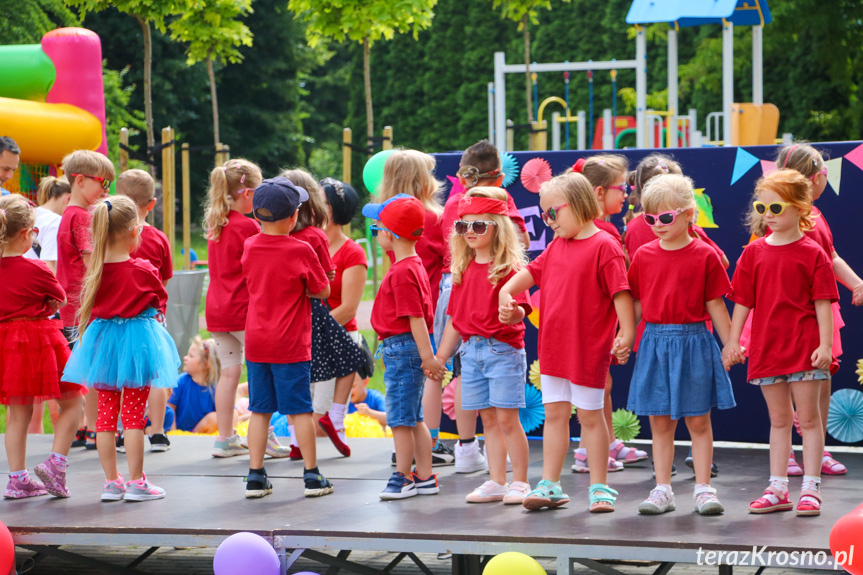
(678, 284)
(122, 350)
(786, 279)
(486, 252)
(576, 335)
(34, 355)
(232, 187)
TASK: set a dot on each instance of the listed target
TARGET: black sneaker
(80, 438)
(413, 462)
(159, 442)
(257, 485)
(442, 454)
(120, 444)
(714, 470)
(316, 484)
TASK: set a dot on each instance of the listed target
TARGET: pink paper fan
(534, 174)
(457, 188)
(448, 399)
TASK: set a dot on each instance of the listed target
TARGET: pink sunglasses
(822, 171)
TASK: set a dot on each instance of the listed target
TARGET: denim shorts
(440, 320)
(282, 387)
(808, 375)
(492, 374)
(404, 380)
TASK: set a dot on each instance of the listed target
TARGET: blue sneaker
(316, 485)
(428, 486)
(714, 470)
(399, 487)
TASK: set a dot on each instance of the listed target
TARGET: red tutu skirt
(33, 354)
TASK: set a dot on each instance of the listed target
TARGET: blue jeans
(404, 380)
(492, 374)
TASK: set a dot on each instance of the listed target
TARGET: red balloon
(846, 542)
(7, 550)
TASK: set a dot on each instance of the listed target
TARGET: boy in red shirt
(402, 317)
(279, 331)
(154, 247)
(90, 175)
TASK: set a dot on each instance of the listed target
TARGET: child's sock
(811, 482)
(337, 416)
(664, 486)
(22, 475)
(700, 487)
(435, 432)
(293, 436)
(615, 444)
(59, 460)
(779, 483)
(467, 441)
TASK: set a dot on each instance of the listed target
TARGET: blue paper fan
(533, 414)
(509, 167)
(845, 420)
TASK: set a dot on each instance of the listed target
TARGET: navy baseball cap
(277, 199)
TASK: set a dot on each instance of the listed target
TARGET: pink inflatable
(77, 57)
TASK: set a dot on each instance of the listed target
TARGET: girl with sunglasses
(232, 188)
(678, 284)
(486, 253)
(576, 334)
(34, 355)
(786, 279)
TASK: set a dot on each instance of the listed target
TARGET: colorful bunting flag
(743, 162)
(767, 166)
(834, 173)
(855, 156)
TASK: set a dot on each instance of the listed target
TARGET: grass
(46, 420)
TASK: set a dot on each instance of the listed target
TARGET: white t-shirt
(49, 224)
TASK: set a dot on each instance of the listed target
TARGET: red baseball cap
(402, 214)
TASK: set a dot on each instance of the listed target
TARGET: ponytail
(16, 214)
(51, 187)
(225, 182)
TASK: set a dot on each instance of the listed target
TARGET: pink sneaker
(53, 477)
(19, 488)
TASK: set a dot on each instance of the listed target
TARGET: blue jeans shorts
(404, 380)
(492, 374)
(808, 375)
(282, 387)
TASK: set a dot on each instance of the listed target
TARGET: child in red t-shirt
(279, 331)
(576, 336)
(90, 175)
(232, 188)
(154, 247)
(678, 284)
(402, 317)
(786, 279)
(486, 252)
(124, 350)
(34, 355)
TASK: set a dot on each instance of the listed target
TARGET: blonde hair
(794, 188)
(16, 214)
(800, 157)
(603, 169)
(671, 191)
(211, 358)
(112, 219)
(225, 183)
(88, 163)
(410, 172)
(507, 252)
(313, 212)
(137, 185)
(578, 193)
(51, 187)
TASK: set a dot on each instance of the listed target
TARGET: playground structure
(754, 123)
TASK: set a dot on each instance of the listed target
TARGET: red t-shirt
(28, 293)
(450, 215)
(610, 228)
(279, 322)
(74, 239)
(432, 249)
(316, 238)
(674, 286)
(403, 294)
(348, 256)
(473, 306)
(127, 289)
(577, 317)
(820, 233)
(639, 233)
(227, 296)
(781, 284)
(154, 248)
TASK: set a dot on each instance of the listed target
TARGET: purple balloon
(244, 553)
(306, 573)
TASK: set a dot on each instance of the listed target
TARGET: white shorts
(557, 389)
(322, 391)
(229, 346)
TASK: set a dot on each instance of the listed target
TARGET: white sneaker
(485, 455)
(468, 457)
(229, 447)
(488, 492)
(660, 500)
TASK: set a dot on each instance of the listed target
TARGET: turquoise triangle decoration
(743, 162)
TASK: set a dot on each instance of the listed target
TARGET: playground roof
(699, 12)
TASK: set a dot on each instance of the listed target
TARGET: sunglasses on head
(375, 229)
(663, 219)
(551, 215)
(105, 182)
(776, 208)
(478, 227)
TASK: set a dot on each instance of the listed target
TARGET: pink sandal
(627, 455)
(794, 469)
(771, 501)
(809, 503)
(830, 466)
(580, 465)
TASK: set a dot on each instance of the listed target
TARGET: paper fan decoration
(845, 419)
(532, 415)
(533, 318)
(359, 425)
(448, 400)
(446, 379)
(509, 167)
(859, 371)
(535, 173)
(625, 424)
(457, 188)
(533, 376)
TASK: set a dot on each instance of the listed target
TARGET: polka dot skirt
(334, 353)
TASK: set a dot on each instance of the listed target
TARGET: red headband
(579, 165)
(479, 205)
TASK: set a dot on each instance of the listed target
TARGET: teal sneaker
(547, 494)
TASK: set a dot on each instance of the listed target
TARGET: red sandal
(809, 504)
(830, 466)
(772, 500)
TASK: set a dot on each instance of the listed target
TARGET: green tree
(214, 33)
(364, 21)
(27, 22)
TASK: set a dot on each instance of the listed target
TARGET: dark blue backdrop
(711, 169)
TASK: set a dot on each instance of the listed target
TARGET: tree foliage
(26, 22)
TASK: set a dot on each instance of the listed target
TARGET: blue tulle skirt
(118, 352)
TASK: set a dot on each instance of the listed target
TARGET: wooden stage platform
(205, 504)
